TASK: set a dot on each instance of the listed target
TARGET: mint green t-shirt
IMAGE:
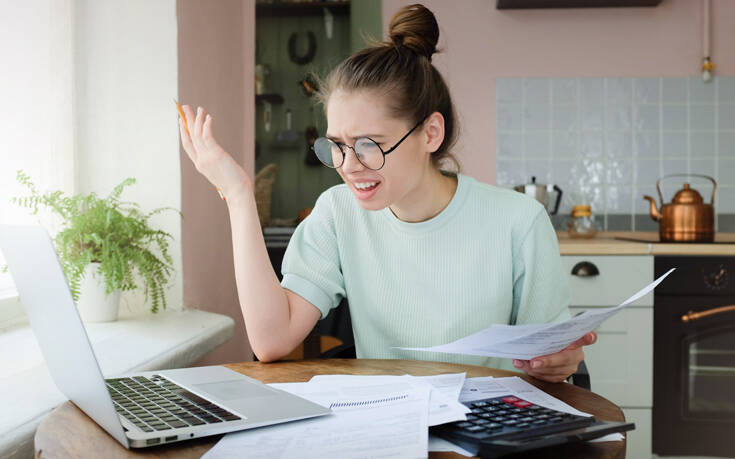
(490, 257)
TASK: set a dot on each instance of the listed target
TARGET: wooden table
(68, 433)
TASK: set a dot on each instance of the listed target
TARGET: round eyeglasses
(368, 152)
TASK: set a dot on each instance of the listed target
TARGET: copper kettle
(686, 218)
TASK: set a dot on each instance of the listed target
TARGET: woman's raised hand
(209, 158)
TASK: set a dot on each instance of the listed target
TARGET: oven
(694, 357)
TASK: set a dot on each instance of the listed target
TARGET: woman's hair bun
(414, 27)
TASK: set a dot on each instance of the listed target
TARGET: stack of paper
(378, 416)
(373, 416)
(444, 391)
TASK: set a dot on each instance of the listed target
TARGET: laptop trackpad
(230, 390)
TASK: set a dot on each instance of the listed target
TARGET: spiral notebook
(384, 419)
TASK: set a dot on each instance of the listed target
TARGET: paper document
(441, 445)
(386, 420)
(377, 417)
(443, 404)
(528, 341)
(481, 388)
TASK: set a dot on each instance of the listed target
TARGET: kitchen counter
(606, 243)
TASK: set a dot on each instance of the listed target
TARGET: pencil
(183, 116)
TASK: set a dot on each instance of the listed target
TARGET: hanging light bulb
(707, 67)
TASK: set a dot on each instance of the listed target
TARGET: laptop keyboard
(158, 404)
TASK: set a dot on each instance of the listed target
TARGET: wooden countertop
(608, 243)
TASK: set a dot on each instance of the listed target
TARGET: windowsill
(166, 340)
(12, 314)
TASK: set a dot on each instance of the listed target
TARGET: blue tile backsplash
(605, 141)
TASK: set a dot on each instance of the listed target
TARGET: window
(38, 132)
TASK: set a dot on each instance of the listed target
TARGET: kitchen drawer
(638, 441)
(619, 277)
(620, 363)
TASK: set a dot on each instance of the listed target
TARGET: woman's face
(355, 114)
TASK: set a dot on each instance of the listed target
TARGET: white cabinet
(620, 277)
(621, 362)
(638, 441)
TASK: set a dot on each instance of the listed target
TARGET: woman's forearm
(263, 301)
(272, 326)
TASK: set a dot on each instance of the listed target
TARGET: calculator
(505, 425)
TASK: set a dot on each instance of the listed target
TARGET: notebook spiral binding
(367, 402)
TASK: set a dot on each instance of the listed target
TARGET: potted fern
(104, 243)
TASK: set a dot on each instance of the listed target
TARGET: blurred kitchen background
(602, 118)
(295, 44)
(598, 101)
(596, 98)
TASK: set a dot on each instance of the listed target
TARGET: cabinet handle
(585, 269)
(692, 316)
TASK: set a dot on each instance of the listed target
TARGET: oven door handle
(691, 316)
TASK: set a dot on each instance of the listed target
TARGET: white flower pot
(93, 304)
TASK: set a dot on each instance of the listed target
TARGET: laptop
(141, 409)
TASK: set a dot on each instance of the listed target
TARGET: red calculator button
(511, 399)
(522, 404)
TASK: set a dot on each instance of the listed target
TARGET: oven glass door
(710, 375)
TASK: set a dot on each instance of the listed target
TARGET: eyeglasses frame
(340, 145)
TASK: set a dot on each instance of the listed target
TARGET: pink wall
(216, 71)
(483, 43)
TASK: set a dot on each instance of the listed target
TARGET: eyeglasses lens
(328, 152)
(367, 152)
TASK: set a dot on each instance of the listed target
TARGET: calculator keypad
(510, 416)
(510, 412)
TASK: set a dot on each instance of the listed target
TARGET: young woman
(423, 255)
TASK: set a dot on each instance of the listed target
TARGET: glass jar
(582, 223)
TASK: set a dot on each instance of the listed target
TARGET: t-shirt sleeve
(540, 287)
(311, 265)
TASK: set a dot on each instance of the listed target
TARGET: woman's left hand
(559, 366)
